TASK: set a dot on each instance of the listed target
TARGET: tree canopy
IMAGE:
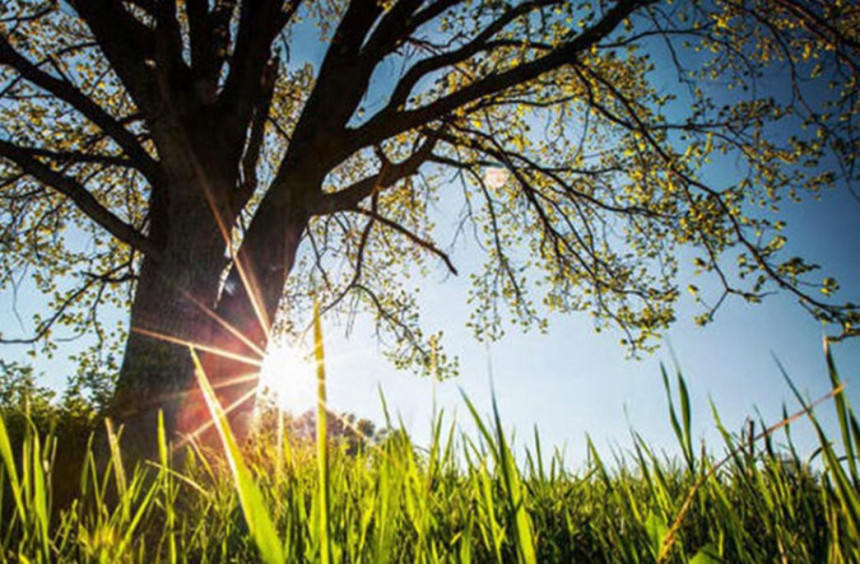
(193, 154)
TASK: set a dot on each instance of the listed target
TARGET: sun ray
(251, 376)
(200, 346)
(288, 375)
(251, 287)
(293, 375)
(254, 294)
(225, 324)
(238, 402)
(161, 398)
(189, 437)
(248, 281)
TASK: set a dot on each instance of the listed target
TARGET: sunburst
(283, 369)
(288, 375)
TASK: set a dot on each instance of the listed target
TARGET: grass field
(459, 499)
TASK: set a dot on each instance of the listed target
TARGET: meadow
(460, 498)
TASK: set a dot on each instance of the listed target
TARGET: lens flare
(288, 375)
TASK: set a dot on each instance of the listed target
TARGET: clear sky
(574, 381)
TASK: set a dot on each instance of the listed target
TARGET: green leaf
(708, 554)
(11, 470)
(657, 530)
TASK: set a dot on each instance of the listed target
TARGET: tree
(175, 158)
(272, 424)
(343, 429)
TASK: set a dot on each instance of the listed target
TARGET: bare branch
(66, 157)
(479, 43)
(415, 238)
(45, 326)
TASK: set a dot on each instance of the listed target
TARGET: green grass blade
(539, 455)
(482, 427)
(846, 493)
(39, 506)
(165, 480)
(322, 443)
(260, 523)
(516, 494)
(385, 411)
(843, 412)
(682, 433)
(686, 418)
(11, 469)
(116, 463)
(134, 521)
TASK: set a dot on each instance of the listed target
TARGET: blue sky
(574, 381)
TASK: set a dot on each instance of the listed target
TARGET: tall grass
(459, 499)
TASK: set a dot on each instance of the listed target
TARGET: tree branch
(63, 90)
(414, 237)
(391, 120)
(737, 227)
(479, 43)
(390, 30)
(390, 173)
(92, 279)
(128, 45)
(85, 201)
(248, 165)
(80, 157)
(249, 79)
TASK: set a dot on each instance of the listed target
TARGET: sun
(288, 375)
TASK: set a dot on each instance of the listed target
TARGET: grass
(459, 499)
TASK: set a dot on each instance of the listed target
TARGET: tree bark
(157, 371)
(246, 311)
(180, 300)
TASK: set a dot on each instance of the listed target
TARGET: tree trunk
(168, 308)
(179, 299)
(247, 307)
